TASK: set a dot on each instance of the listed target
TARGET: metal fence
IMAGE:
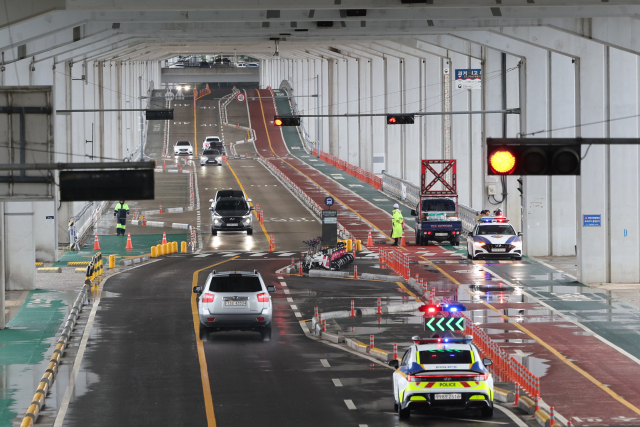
(410, 193)
(81, 224)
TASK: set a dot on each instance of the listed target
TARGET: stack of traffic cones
(129, 245)
(96, 244)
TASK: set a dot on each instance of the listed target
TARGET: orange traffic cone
(369, 239)
(96, 244)
(164, 238)
(160, 208)
(129, 245)
(403, 241)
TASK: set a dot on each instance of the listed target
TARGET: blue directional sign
(591, 221)
(328, 201)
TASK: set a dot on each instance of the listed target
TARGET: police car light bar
(452, 308)
(466, 340)
(487, 220)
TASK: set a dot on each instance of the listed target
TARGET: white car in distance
(183, 148)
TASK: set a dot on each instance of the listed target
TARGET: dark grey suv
(231, 214)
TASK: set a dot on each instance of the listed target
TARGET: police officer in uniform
(121, 212)
(397, 224)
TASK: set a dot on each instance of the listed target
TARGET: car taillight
(263, 297)
(428, 232)
(481, 377)
(211, 319)
(260, 319)
(207, 297)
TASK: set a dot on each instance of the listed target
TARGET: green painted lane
(23, 346)
(116, 245)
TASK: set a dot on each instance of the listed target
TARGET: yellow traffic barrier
(38, 264)
(349, 245)
(112, 261)
(359, 245)
(183, 247)
(169, 248)
(49, 270)
(80, 270)
(70, 264)
(163, 250)
(154, 252)
(174, 247)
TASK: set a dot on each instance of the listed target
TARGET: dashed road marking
(280, 277)
(294, 307)
(350, 404)
(337, 382)
(325, 363)
(286, 291)
(283, 284)
(298, 314)
(289, 299)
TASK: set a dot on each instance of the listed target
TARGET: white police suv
(494, 237)
(442, 373)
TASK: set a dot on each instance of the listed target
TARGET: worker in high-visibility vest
(397, 224)
(120, 213)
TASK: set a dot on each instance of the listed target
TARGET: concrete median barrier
(332, 337)
(49, 270)
(386, 277)
(504, 396)
(328, 273)
(179, 225)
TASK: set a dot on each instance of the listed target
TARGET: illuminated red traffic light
(277, 122)
(392, 120)
(502, 162)
(400, 119)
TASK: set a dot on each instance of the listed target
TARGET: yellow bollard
(112, 261)
(154, 252)
(349, 245)
(163, 250)
(183, 247)
(359, 245)
(174, 247)
(169, 248)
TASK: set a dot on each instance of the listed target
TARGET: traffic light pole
(430, 113)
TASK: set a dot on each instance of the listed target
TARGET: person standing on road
(120, 213)
(397, 224)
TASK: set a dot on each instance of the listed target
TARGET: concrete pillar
(378, 125)
(461, 129)
(342, 141)
(19, 259)
(433, 129)
(412, 89)
(393, 102)
(365, 134)
(353, 126)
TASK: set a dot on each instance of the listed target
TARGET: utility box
(329, 228)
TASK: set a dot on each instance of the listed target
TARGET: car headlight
(219, 159)
(247, 219)
(204, 158)
(480, 244)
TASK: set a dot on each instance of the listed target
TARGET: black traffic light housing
(286, 121)
(159, 114)
(533, 156)
(400, 119)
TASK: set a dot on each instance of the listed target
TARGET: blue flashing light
(452, 308)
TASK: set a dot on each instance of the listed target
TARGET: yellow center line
(408, 291)
(549, 347)
(264, 230)
(204, 371)
(324, 189)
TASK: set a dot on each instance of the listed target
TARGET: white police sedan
(494, 237)
(442, 373)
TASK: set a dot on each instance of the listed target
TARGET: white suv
(235, 300)
(183, 148)
(208, 140)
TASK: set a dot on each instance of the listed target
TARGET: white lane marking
(511, 415)
(289, 299)
(363, 425)
(350, 404)
(283, 284)
(553, 268)
(325, 363)
(286, 291)
(337, 382)
(280, 277)
(298, 314)
(293, 307)
(77, 363)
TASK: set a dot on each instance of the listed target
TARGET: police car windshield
(485, 230)
(443, 355)
(235, 283)
(231, 205)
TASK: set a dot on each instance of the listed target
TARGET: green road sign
(444, 324)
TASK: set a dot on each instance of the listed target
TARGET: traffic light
(286, 121)
(400, 119)
(533, 156)
(159, 114)
(430, 309)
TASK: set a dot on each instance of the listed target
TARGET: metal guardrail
(302, 129)
(410, 193)
(84, 221)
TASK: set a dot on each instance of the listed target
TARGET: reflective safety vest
(121, 211)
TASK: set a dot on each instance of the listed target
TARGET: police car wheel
(405, 413)
(488, 411)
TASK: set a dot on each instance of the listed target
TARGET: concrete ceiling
(144, 29)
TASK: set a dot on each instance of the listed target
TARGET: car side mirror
(197, 290)
(394, 364)
(249, 200)
(487, 362)
(253, 208)
(519, 233)
(210, 200)
(413, 212)
(271, 288)
(211, 209)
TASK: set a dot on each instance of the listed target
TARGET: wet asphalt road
(142, 362)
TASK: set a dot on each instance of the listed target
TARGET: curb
(131, 261)
(52, 368)
(369, 276)
(504, 396)
(328, 273)
(49, 270)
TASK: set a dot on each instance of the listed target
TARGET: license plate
(235, 303)
(442, 234)
(232, 225)
(449, 396)
(498, 250)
